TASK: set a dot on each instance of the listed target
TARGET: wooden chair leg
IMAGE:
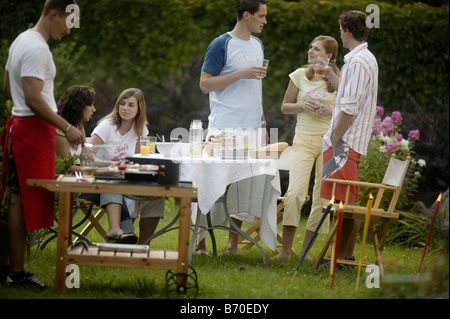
(378, 248)
(94, 222)
(328, 242)
(384, 235)
(255, 228)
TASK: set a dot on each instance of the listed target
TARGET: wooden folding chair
(86, 207)
(254, 228)
(392, 181)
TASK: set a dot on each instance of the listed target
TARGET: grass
(244, 276)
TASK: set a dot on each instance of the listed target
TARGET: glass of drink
(88, 163)
(145, 148)
(264, 63)
(320, 66)
(151, 143)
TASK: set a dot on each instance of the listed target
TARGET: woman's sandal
(121, 238)
(129, 238)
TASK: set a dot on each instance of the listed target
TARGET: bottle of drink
(196, 138)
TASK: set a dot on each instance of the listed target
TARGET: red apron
(33, 143)
(4, 139)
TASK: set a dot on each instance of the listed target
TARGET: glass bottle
(196, 138)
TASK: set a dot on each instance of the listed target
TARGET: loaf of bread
(272, 151)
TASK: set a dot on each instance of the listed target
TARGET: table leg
(194, 235)
(163, 230)
(183, 240)
(64, 239)
(211, 233)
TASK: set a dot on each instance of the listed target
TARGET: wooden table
(157, 259)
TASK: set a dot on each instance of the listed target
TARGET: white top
(308, 123)
(357, 95)
(75, 151)
(239, 104)
(117, 146)
(30, 56)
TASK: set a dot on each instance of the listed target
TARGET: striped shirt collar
(362, 46)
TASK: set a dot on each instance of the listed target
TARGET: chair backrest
(396, 171)
(394, 176)
(285, 158)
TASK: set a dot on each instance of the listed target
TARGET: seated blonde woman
(77, 107)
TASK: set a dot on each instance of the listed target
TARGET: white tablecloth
(254, 189)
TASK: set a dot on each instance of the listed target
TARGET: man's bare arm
(209, 82)
(6, 85)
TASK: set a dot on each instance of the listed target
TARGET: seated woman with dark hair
(77, 107)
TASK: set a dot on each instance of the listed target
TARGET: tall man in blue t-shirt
(232, 74)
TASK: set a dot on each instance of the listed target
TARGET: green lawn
(244, 276)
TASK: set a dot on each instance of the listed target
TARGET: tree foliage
(159, 45)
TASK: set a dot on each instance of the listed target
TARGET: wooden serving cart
(94, 256)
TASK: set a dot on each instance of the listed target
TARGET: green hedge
(125, 43)
(411, 47)
(160, 39)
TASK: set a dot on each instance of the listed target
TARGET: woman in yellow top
(312, 98)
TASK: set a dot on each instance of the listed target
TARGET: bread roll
(272, 151)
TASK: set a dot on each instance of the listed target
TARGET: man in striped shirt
(353, 115)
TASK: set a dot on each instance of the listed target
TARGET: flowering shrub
(387, 132)
(386, 140)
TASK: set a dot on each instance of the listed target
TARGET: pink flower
(397, 117)
(391, 147)
(414, 134)
(398, 137)
(376, 127)
(387, 126)
(379, 110)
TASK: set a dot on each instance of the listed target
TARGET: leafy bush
(413, 226)
(62, 166)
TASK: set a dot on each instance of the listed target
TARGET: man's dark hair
(355, 22)
(252, 6)
(59, 5)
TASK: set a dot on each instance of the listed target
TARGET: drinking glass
(320, 66)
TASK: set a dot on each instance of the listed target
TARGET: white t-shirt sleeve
(35, 63)
(103, 130)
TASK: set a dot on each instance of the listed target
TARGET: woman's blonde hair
(140, 121)
(331, 46)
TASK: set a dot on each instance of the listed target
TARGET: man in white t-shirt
(232, 74)
(31, 133)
